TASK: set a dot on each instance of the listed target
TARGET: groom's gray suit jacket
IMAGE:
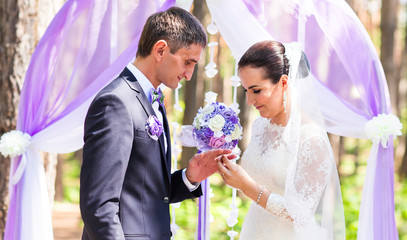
(126, 184)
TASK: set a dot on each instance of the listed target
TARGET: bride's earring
(285, 101)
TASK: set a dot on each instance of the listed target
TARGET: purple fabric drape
(86, 45)
(203, 215)
(384, 221)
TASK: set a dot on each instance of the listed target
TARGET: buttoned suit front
(126, 184)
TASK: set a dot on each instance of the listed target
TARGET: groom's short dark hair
(176, 26)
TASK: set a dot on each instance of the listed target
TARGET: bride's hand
(234, 175)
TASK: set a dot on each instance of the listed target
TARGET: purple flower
(228, 128)
(233, 119)
(219, 107)
(208, 117)
(228, 113)
(229, 145)
(207, 132)
(154, 127)
(217, 142)
(200, 136)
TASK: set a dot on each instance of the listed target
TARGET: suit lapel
(167, 133)
(133, 84)
(148, 108)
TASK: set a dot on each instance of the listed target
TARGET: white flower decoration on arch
(14, 143)
(382, 127)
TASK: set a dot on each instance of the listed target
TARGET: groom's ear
(159, 49)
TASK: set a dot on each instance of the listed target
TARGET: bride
(288, 168)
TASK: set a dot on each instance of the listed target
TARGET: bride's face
(265, 96)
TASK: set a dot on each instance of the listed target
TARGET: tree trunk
(189, 113)
(402, 74)
(16, 45)
(194, 89)
(244, 116)
(388, 27)
(351, 4)
(21, 28)
(59, 186)
(337, 144)
(50, 168)
(217, 81)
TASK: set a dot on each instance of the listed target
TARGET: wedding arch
(89, 42)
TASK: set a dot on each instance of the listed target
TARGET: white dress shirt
(147, 88)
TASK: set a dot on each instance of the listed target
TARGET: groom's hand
(203, 165)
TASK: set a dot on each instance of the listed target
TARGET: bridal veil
(312, 191)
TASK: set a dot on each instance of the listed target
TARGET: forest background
(22, 23)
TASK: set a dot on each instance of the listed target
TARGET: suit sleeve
(106, 152)
(179, 190)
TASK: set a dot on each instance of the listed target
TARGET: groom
(126, 184)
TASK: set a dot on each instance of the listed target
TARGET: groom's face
(179, 65)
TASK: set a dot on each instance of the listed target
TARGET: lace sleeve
(306, 182)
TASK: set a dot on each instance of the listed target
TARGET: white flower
(237, 133)
(216, 123)
(234, 213)
(231, 221)
(235, 107)
(207, 109)
(228, 139)
(211, 194)
(197, 121)
(174, 228)
(218, 134)
(14, 143)
(210, 97)
(232, 233)
(176, 205)
(380, 128)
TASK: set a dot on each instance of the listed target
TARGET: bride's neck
(281, 120)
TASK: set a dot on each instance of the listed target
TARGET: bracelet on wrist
(261, 192)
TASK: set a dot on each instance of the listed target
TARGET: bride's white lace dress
(294, 163)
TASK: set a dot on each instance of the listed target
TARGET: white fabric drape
(64, 136)
(237, 25)
(342, 116)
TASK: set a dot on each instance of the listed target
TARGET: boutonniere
(154, 127)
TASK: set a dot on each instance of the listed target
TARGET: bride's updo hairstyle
(268, 55)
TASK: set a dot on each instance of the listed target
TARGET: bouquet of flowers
(216, 126)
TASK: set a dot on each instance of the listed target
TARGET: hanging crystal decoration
(210, 68)
(234, 212)
(235, 83)
(210, 97)
(176, 150)
(176, 105)
(212, 28)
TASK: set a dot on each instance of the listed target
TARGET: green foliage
(352, 179)
(186, 216)
(351, 188)
(70, 178)
(403, 120)
(401, 208)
